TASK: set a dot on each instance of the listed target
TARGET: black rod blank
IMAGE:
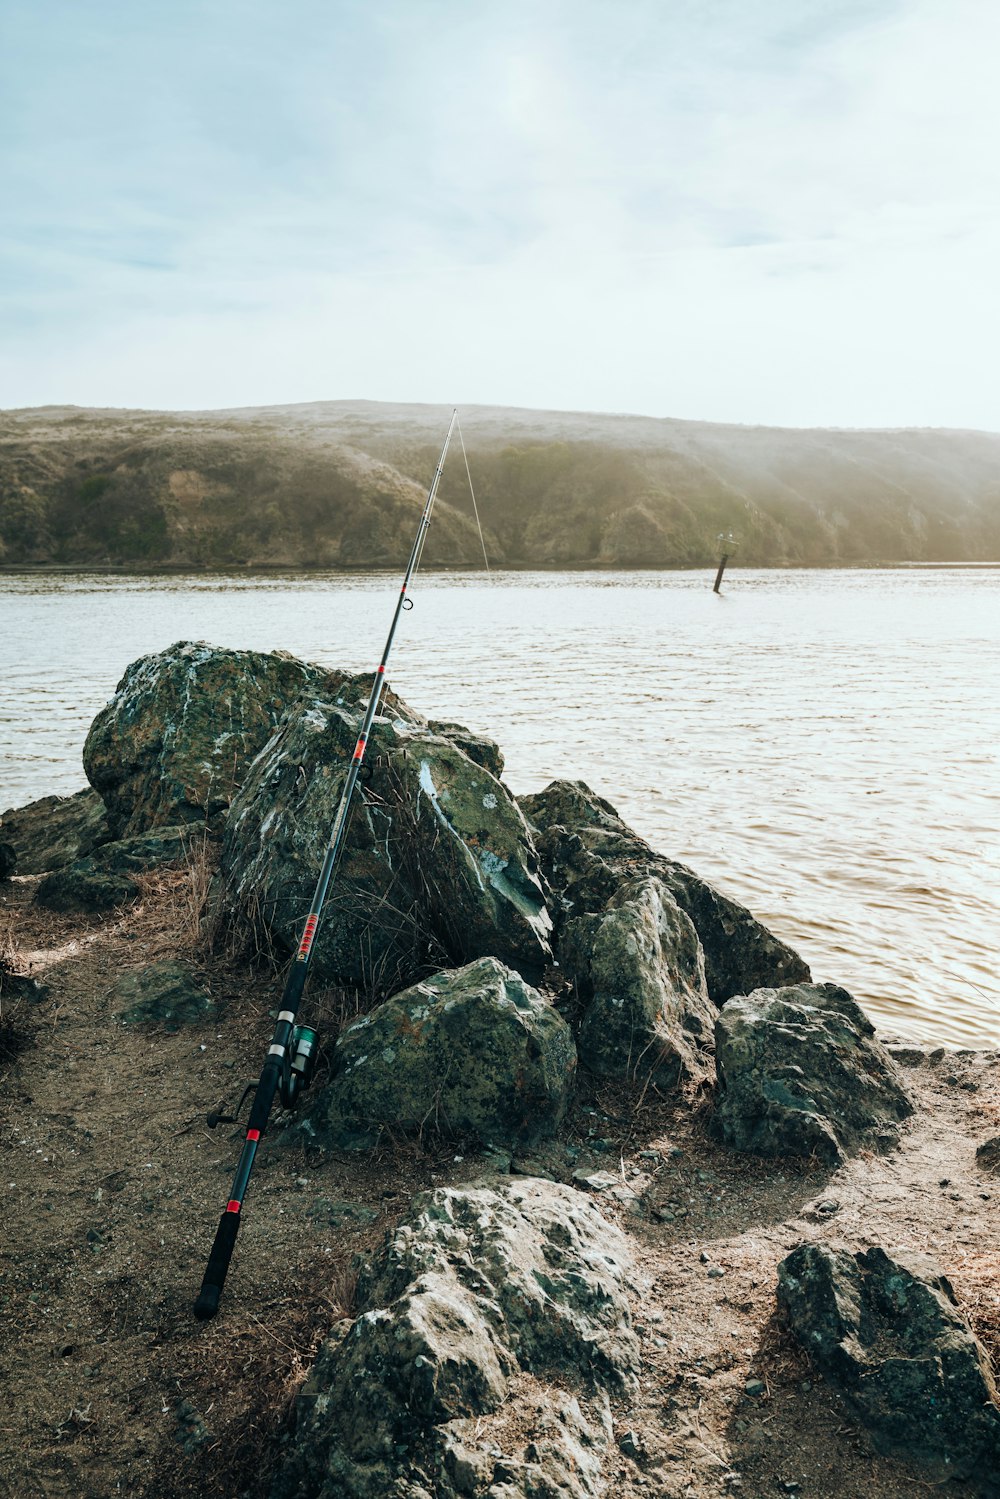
(207, 1303)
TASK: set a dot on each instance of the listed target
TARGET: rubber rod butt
(207, 1303)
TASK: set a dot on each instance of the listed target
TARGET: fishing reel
(298, 1066)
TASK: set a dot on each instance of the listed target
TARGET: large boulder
(801, 1073)
(106, 878)
(640, 971)
(474, 1051)
(438, 865)
(483, 1297)
(55, 831)
(174, 743)
(890, 1332)
(587, 851)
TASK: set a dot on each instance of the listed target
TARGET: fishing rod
(291, 1056)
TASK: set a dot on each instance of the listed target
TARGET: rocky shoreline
(525, 996)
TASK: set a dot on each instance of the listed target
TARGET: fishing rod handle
(207, 1303)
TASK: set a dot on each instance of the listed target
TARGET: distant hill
(340, 484)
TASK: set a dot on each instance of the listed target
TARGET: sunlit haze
(761, 211)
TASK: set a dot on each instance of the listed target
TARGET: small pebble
(754, 1387)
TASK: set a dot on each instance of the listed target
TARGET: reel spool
(300, 1064)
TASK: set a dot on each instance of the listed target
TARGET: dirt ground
(114, 1184)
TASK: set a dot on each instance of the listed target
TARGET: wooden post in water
(727, 545)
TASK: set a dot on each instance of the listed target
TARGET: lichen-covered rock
(639, 969)
(166, 994)
(482, 1294)
(175, 741)
(106, 879)
(587, 851)
(82, 887)
(801, 1073)
(890, 1332)
(438, 865)
(478, 747)
(55, 831)
(474, 1051)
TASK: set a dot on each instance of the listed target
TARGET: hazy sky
(778, 211)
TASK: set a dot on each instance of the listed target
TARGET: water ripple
(824, 746)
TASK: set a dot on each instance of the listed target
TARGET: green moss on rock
(175, 741)
(471, 1052)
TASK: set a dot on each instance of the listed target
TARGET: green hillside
(340, 484)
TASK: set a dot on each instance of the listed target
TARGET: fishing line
(475, 507)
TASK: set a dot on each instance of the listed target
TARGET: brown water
(822, 745)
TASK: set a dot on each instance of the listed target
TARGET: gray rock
(20, 986)
(339, 1214)
(639, 968)
(174, 743)
(486, 752)
(167, 994)
(632, 1445)
(801, 1073)
(890, 1332)
(596, 1181)
(146, 850)
(481, 1287)
(587, 852)
(469, 1052)
(105, 879)
(191, 1432)
(988, 1155)
(55, 831)
(438, 865)
(906, 1054)
(83, 887)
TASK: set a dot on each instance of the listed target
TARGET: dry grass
(241, 1419)
(180, 894)
(16, 1027)
(977, 1286)
(10, 960)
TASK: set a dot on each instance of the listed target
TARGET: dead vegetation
(16, 1026)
